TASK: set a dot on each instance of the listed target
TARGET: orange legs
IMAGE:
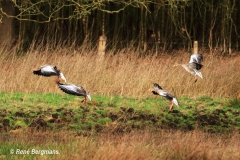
(58, 80)
(196, 78)
(84, 100)
(171, 106)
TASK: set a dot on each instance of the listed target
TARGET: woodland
(149, 26)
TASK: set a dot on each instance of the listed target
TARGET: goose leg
(58, 79)
(84, 100)
(196, 78)
(171, 106)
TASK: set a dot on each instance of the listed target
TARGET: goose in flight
(49, 70)
(159, 91)
(74, 89)
(194, 65)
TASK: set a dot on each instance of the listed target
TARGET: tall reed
(120, 73)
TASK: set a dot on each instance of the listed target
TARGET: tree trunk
(212, 24)
(195, 47)
(7, 26)
(102, 40)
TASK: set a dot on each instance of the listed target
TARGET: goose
(194, 66)
(159, 91)
(74, 89)
(49, 70)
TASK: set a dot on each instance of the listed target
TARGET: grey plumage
(194, 65)
(159, 91)
(49, 70)
(74, 89)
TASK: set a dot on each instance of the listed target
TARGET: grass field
(114, 114)
(123, 120)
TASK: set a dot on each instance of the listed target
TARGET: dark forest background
(147, 25)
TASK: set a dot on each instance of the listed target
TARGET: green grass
(61, 111)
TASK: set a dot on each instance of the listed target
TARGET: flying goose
(194, 65)
(159, 91)
(74, 89)
(49, 70)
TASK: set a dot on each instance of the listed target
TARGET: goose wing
(49, 71)
(169, 97)
(155, 92)
(166, 95)
(195, 65)
(197, 58)
(46, 70)
(189, 68)
(157, 87)
(73, 89)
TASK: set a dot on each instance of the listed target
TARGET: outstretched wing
(157, 87)
(169, 97)
(195, 65)
(154, 92)
(46, 70)
(166, 95)
(197, 58)
(73, 89)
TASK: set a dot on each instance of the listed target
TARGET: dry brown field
(121, 73)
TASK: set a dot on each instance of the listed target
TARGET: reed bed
(120, 73)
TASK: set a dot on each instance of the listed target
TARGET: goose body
(159, 91)
(193, 68)
(196, 58)
(194, 65)
(74, 89)
(49, 70)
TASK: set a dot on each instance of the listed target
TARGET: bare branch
(27, 9)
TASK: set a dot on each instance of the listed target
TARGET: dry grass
(120, 74)
(137, 146)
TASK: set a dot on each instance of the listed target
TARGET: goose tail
(89, 97)
(198, 73)
(63, 77)
(175, 102)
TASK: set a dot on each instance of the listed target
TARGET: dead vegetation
(121, 73)
(165, 144)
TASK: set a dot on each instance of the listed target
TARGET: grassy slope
(115, 114)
